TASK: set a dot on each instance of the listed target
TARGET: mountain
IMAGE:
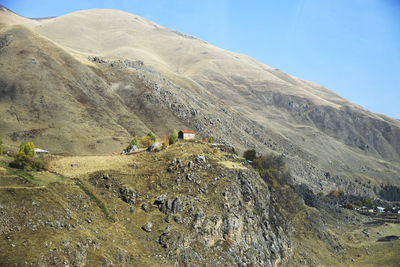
(84, 83)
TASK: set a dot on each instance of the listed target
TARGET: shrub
(321, 194)
(1, 146)
(341, 192)
(210, 139)
(359, 203)
(173, 137)
(250, 154)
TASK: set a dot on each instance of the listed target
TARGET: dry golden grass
(232, 165)
(81, 166)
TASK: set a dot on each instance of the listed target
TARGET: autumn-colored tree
(165, 141)
(28, 148)
(24, 159)
(151, 136)
(146, 141)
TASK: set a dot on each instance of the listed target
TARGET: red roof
(183, 131)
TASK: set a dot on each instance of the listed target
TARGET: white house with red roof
(186, 135)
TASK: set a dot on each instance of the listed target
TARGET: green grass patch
(24, 175)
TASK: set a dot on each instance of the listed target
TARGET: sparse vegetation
(1, 146)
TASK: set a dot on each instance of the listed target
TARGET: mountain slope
(158, 79)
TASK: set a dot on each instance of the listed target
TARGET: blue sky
(349, 46)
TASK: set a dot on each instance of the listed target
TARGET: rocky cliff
(166, 208)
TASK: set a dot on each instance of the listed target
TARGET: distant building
(186, 135)
(41, 151)
(380, 209)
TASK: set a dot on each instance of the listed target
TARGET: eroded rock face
(240, 232)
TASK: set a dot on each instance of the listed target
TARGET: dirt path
(22, 187)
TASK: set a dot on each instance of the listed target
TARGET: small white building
(186, 135)
(380, 209)
(40, 151)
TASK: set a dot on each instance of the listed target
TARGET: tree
(1, 146)
(152, 136)
(173, 137)
(146, 141)
(28, 148)
(250, 154)
(133, 142)
(368, 203)
(359, 203)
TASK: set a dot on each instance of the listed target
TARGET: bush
(341, 192)
(321, 194)
(173, 137)
(250, 154)
(1, 146)
(359, 203)
(210, 139)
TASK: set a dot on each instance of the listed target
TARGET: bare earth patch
(79, 166)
